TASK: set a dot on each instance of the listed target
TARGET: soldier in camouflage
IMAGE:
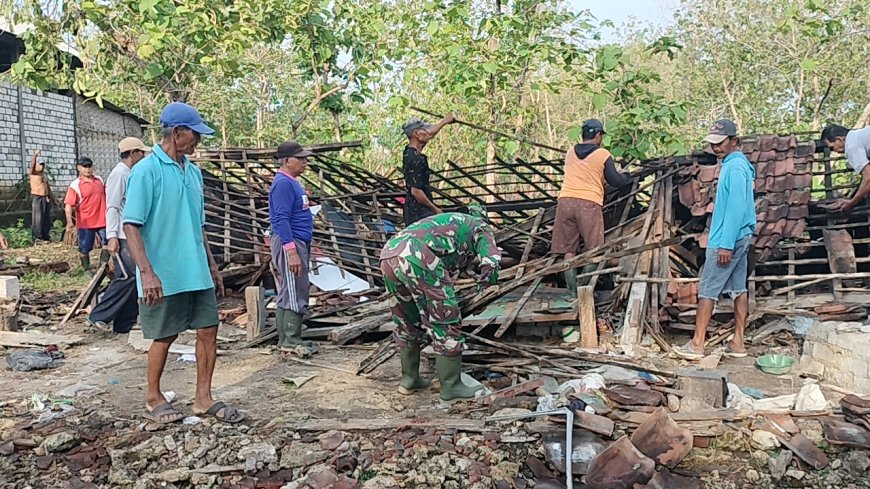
(417, 265)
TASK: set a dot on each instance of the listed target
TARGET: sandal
(231, 415)
(687, 352)
(163, 414)
(730, 352)
(100, 326)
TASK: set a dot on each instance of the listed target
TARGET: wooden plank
(86, 294)
(344, 334)
(587, 318)
(530, 243)
(256, 307)
(376, 424)
(17, 339)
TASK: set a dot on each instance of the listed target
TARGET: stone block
(9, 287)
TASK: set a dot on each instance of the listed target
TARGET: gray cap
(591, 127)
(415, 124)
(721, 130)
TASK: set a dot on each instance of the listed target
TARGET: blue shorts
(730, 279)
(87, 237)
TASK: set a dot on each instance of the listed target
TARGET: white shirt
(116, 197)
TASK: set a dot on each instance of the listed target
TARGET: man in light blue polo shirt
(164, 220)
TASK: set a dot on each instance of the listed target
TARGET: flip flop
(231, 415)
(98, 325)
(729, 352)
(686, 352)
(162, 411)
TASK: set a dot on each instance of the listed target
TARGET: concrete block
(9, 287)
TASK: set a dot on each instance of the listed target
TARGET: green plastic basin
(775, 364)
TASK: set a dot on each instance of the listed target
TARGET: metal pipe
(569, 435)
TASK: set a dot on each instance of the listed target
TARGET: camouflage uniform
(417, 264)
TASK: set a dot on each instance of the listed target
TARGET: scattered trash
(586, 446)
(114, 381)
(170, 396)
(78, 390)
(752, 392)
(187, 358)
(27, 360)
(296, 382)
(764, 440)
(810, 398)
(192, 420)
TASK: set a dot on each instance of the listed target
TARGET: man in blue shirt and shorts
(164, 220)
(726, 267)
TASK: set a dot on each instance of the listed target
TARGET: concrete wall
(839, 353)
(98, 132)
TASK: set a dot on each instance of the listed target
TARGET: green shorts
(178, 313)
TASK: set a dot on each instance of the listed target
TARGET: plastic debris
(752, 392)
(27, 360)
(187, 358)
(294, 383)
(810, 398)
(191, 420)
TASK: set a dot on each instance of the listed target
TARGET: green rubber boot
(411, 380)
(571, 279)
(293, 333)
(449, 371)
(86, 265)
(280, 326)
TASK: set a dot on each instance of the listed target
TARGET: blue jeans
(730, 279)
(87, 238)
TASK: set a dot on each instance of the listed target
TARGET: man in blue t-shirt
(292, 227)
(725, 268)
(164, 221)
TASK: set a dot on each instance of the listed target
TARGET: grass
(55, 282)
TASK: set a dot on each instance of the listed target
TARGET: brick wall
(98, 132)
(49, 126)
(63, 128)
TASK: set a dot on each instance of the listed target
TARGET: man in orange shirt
(87, 195)
(579, 212)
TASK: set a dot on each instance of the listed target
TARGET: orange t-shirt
(89, 199)
(584, 178)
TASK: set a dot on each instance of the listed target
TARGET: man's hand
(113, 246)
(152, 288)
(294, 263)
(438, 211)
(724, 257)
(488, 274)
(449, 119)
(218, 281)
(839, 205)
(37, 153)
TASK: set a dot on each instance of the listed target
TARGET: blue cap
(179, 114)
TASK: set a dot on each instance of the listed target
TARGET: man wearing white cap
(119, 304)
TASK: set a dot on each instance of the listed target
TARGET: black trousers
(120, 302)
(41, 208)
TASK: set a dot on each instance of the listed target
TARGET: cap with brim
(715, 138)
(132, 144)
(291, 149)
(179, 114)
(593, 127)
(86, 164)
(721, 130)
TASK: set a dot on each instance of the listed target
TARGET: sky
(644, 12)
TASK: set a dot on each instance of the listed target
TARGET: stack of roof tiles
(783, 181)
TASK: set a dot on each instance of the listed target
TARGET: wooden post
(256, 306)
(8, 315)
(588, 320)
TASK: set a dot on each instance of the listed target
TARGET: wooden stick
(491, 131)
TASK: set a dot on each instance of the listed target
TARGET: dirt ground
(109, 418)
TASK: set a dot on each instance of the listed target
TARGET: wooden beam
(587, 317)
(256, 306)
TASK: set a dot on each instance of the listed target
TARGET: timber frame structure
(645, 277)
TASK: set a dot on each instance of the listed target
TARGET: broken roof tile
(708, 173)
(798, 197)
(776, 213)
(798, 212)
(767, 143)
(795, 229)
(767, 156)
(804, 149)
(785, 143)
(803, 180)
(763, 169)
(784, 167)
